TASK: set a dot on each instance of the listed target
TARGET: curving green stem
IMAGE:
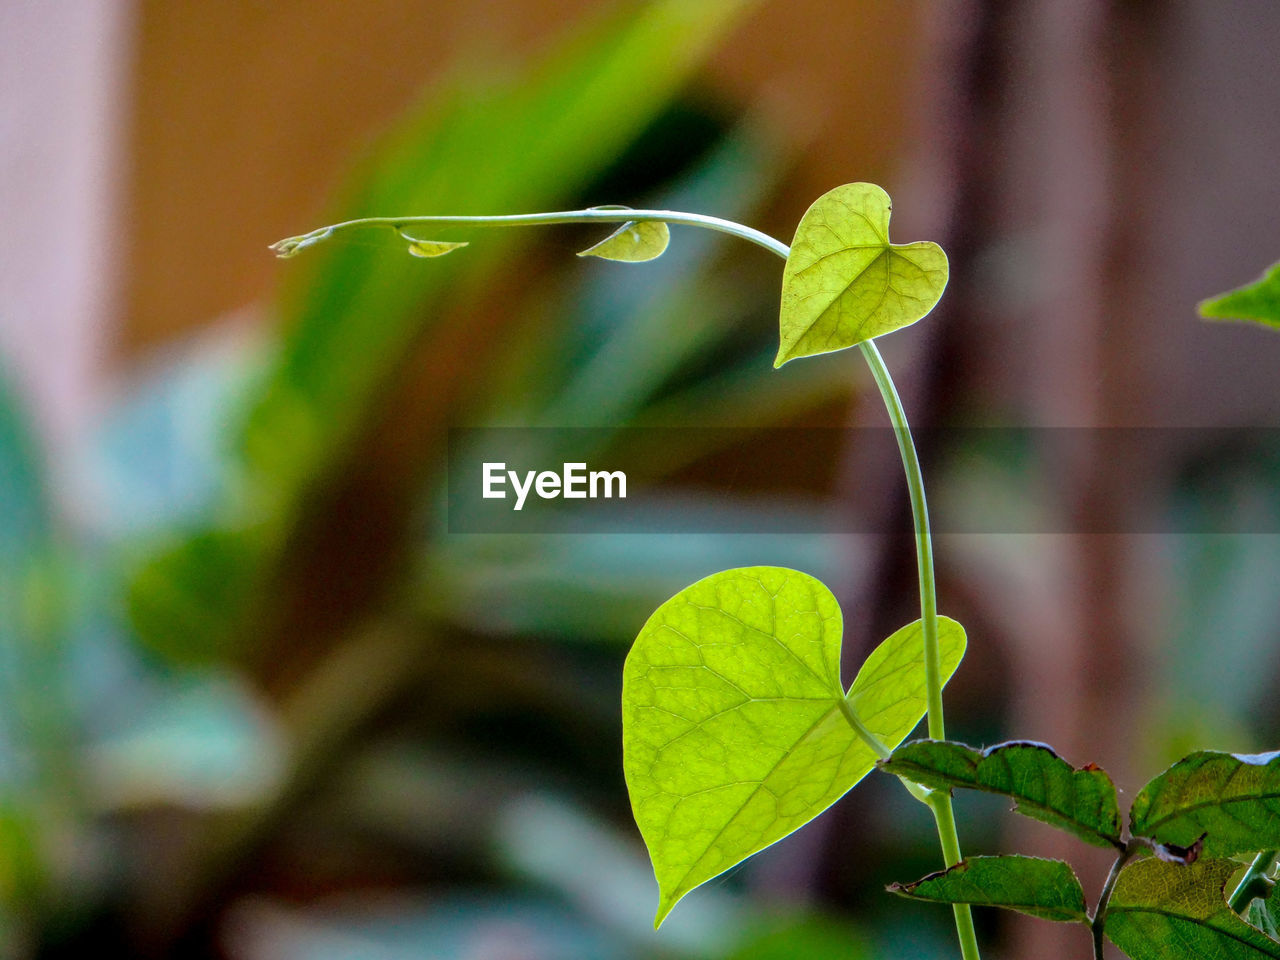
(294, 245)
(1253, 880)
(938, 801)
(924, 539)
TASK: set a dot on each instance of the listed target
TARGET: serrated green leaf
(733, 725)
(1162, 911)
(1042, 888)
(1258, 301)
(844, 282)
(1042, 785)
(633, 242)
(1232, 799)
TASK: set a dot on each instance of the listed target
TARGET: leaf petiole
(1099, 918)
(921, 793)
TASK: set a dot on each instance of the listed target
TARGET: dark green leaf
(1042, 785)
(1231, 799)
(1043, 888)
(1161, 911)
(735, 728)
(1258, 301)
(844, 282)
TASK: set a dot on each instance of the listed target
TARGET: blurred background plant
(256, 702)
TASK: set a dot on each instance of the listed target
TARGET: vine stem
(294, 245)
(938, 801)
(1104, 898)
(1247, 888)
(924, 539)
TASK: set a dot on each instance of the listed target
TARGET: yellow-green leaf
(1042, 888)
(734, 718)
(633, 242)
(1163, 911)
(1258, 301)
(431, 248)
(844, 282)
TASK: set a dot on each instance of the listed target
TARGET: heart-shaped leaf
(1043, 888)
(1258, 301)
(734, 727)
(1162, 911)
(634, 242)
(1232, 800)
(844, 282)
(1043, 785)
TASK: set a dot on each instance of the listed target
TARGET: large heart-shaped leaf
(1233, 800)
(1258, 301)
(1042, 888)
(736, 730)
(844, 282)
(1162, 911)
(1042, 785)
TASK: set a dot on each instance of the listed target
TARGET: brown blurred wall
(63, 76)
(245, 113)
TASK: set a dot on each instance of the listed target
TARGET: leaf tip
(1217, 309)
(665, 905)
(1256, 302)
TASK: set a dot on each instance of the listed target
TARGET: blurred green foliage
(258, 650)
